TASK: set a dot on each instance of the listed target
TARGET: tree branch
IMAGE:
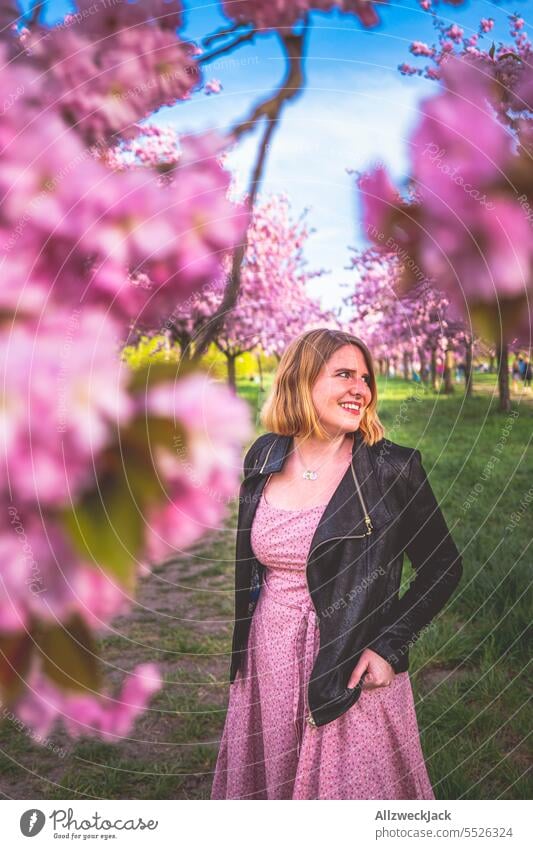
(221, 33)
(37, 7)
(270, 108)
(226, 48)
(290, 87)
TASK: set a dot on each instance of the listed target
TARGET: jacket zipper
(369, 529)
(368, 521)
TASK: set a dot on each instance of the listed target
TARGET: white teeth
(350, 406)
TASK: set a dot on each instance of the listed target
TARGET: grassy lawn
(469, 671)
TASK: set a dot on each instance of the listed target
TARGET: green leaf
(69, 656)
(15, 656)
(106, 528)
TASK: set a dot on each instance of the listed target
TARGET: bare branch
(271, 109)
(37, 7)
(221, 33)
(226, 48)
(290, 87)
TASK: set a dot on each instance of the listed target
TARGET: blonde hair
(289, 408)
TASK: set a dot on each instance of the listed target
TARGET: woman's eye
(366, 378)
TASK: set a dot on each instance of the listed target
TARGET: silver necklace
(308, 474)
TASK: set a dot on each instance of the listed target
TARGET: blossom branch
(271, 109)
(227, 48)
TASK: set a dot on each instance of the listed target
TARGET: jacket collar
(344, 514)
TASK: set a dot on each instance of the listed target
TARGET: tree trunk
(433, 368)
(449, 369)
(232, 381)
(503, 377)
(260, 370)
(491, 364)
(422, 358)
(468, 370)
(405, 365)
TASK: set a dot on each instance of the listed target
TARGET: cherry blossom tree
(273, 304)
(404, 327)
(466, 223)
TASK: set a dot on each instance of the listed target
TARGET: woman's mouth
(352, 407)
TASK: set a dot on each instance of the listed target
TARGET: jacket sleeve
(436, 562)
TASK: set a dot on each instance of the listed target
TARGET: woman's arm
(437, 564)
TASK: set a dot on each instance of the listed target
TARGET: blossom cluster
(465, 224)
(93, 488)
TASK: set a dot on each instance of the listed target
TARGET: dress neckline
(292, 509)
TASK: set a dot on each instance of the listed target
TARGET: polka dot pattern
(268, 750)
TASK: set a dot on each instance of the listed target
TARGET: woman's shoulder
(256, 449)
(387, 453)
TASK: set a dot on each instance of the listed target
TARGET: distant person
(515, 372)
(528, 372)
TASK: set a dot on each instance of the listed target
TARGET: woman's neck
(312, 449)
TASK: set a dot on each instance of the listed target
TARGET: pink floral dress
(268, 750)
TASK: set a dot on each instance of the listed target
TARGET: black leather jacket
(384, 506)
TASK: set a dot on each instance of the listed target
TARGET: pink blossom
(264, 14)
(487, 24)
(408, 70)
(65, 391)
(104, 86)
(489, 254)
(174, 234)
(462, 131)
(419, 48)
(203, 475)
(213, 87)
(476, 238)
(43, 580)
(88, 715)
(380, 200)
(455, 32)
(123, 14)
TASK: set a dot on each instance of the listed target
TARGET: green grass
(469, 670)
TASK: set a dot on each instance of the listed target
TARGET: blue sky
(356, 110)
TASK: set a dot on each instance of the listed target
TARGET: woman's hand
(379, 673)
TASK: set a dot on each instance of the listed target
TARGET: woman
(320, 703)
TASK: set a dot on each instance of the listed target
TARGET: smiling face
(341, 390)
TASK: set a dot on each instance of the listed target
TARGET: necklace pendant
(309, 475)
